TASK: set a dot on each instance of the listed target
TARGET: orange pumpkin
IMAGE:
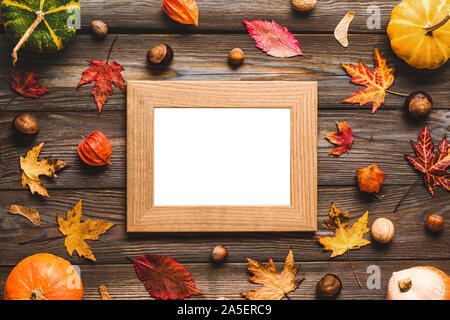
(419, 32)
(43, 276)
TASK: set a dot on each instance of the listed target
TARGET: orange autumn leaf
(370, 179)
(376, 82)
(32, 169)
(276, 285)
(343, 139)
(345, 238)
(76, 231)
(183, 11)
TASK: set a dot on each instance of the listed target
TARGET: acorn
(435, 223)
(26, 124)
(219, 254)
(329, 286)
(99, 29)
(236, 57)
(161, 54)
(419, 104)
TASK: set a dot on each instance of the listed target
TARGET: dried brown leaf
(104, 292)
(29, 213)
(341, 30)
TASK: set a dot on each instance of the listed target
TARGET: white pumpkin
(419, 283)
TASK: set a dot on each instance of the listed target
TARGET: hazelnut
(303, 5)
(26, 124)
(236, 57)
(419, 104)
(219, 253)
(161, 54)
(329, 286)
(99, 29)
(383, 230)
(435, 223)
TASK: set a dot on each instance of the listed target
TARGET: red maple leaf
(376, 83)
(434, 166)
(343, 139)
(105, 75)
(25, 84)
(164, 278)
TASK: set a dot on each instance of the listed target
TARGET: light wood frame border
(144, 96)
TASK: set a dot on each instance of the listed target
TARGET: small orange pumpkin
(43, 276)
(419, 32)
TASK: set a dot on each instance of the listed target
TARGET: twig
(398, 93)
(353, 268)
(110, 49)
(6, 106)
(404, 196)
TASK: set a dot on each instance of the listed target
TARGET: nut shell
(435, 223)
(329, 286)
(26, 124)
(303, 5)
(382, 230)
(219, 253)
(99, 29)
(419, 104)
(161, 54)
(236, 57)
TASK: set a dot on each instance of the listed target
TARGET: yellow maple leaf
(32, 169)
(345, 238)
(76, 231)
(276, 285)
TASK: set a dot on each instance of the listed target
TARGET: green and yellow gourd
(40, 25)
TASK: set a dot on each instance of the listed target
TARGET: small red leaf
(343, 139)
(105, 75)
(273, 39)
(433, 166)
(25, 84)
(164, 278)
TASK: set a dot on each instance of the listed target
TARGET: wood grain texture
(230, 279)
(226, 16)
(144, 96)
(382, 138)
(411, 240)
(204, 57)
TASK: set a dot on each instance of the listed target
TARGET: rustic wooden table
(200, 54)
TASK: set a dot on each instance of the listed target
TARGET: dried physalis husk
(104, 292)
(183, 11)
(29, 213)
(341, 31)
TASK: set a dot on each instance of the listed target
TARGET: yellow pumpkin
(419, 32)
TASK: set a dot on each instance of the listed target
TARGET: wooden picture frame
(144, 96)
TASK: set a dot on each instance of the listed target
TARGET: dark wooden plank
(230, 279)
(382, 138)
(203, 57)
(227, 15)
(411, 241)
